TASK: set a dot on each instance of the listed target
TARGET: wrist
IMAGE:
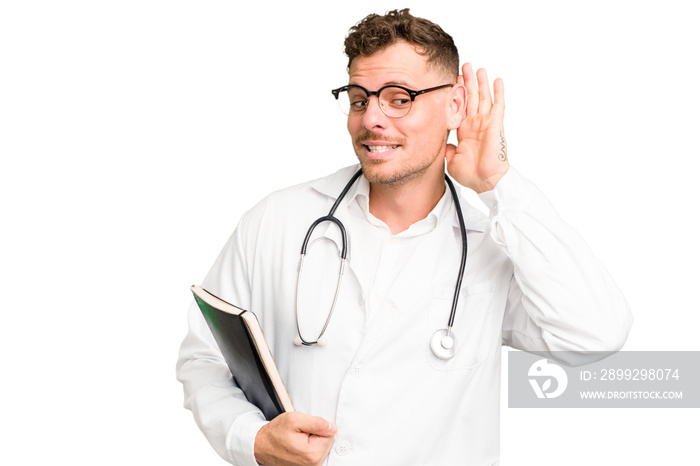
(259, 445)
(489, 183)
(242, 440)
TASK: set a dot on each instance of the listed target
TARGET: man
(375, 392)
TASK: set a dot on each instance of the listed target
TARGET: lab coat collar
(332, 185)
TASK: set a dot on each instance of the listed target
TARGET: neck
(400, 206)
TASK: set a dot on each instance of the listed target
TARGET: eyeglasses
(395, 101)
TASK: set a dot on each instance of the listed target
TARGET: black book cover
(240, 339)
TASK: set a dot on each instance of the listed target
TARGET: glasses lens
(352, 101)
(395, 102)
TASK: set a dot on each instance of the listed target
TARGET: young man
(378, 391)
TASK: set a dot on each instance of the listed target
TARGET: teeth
(381, 148)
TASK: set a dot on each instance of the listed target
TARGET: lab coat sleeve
(560, 298)
(228, 421)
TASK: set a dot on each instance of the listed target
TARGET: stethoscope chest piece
(443, 343)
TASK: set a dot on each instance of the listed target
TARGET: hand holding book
(295, 438)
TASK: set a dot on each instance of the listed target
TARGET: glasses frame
(412, 93)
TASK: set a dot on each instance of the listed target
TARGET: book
(240, 338)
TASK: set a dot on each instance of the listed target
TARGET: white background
(133, 134)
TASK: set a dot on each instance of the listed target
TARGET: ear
(456, 106)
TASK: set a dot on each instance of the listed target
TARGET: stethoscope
(443, 341)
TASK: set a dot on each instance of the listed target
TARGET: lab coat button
(356, 370)
(342, 448)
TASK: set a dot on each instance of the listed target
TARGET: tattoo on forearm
(502, 156)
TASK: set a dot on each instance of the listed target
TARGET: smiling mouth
(379, 149)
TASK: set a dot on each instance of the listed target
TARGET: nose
(374, 117)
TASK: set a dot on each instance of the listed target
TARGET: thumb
(450, 152)
(317, 426)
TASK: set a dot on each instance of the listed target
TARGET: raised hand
(480, 158)
(294, 439)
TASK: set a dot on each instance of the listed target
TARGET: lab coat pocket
(474, 329)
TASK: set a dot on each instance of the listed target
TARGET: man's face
(397, 150)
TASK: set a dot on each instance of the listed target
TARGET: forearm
(562, 298)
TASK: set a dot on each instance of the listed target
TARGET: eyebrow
(398, 83)
(391, 83)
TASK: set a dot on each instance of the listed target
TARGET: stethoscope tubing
(445, 352)
(463, 260)
(343, 258)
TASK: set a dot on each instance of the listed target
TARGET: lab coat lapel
(332, 187)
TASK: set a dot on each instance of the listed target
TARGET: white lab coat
(531, 283)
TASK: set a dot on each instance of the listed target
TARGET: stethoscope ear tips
(323, 341)
(297, 341)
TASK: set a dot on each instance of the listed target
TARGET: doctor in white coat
(375, 392)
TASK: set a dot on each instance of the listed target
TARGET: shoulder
(310, 196)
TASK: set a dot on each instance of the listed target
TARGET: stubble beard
(372, 169)
(405, 173)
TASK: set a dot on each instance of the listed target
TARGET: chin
(380, 173)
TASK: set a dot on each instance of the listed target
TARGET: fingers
(317, 426)
(498, 92)
(472, 90)
(499, 101)
(484, 92)
(294, 438)
(479, 99)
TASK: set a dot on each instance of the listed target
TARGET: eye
(357, 99)
(358, 104)
(396, 97)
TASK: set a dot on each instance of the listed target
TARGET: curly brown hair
(375, 33)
